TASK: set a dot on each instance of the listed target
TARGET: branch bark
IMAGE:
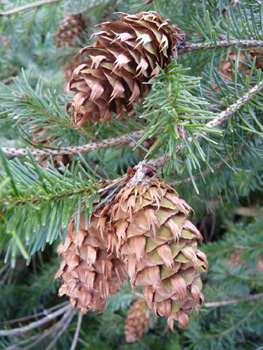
(43, 313)
(234, 301)
(25, 7)
(76, 335)
(115, 141)
(17, 331)
(190, 47)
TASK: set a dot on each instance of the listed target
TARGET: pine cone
(158, 244)
(123, 59)
(89, 272)
(137, 320)
(143, 231)
(72, 26)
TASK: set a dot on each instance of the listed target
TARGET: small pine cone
(158, 244)
(123, 59)
(72, 26)
(137, 320)
(89, 272)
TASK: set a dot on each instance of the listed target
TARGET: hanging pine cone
(71, 27)
(144, 230)
(123, 59)
(137, 320)
(158, 244)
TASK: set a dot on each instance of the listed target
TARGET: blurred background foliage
(224, 187)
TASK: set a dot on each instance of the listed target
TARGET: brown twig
(25, 7)
(189, 47)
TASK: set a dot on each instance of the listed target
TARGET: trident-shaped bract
(120, 63)
(143, 233)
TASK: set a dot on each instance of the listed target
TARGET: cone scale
(145, 234)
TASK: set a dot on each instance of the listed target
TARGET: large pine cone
(121, 62)
(137, 320)
(158, 244)
(144, 231)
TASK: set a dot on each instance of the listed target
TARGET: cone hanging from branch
(158, 244)
(71, 27)
(137, 320)
(143, 232)
(123, 59)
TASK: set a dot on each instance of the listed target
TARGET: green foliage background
(36, 204)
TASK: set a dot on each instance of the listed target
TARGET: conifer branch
(33, 325)
(219, 120)
(205, 172)
(115, 141)
(63, 329)
(189, 47)
(236, 325)
(213, 166)
(234, 301)
(26, 318)
(25, 7)
(76, 335)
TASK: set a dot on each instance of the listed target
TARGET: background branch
(36, 324)
(189, 47)
(234, 301)
(25, 7)
(76, 335)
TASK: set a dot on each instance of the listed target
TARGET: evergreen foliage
(217, 169)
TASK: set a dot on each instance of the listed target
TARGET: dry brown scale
(137, 321)
(143, 233)
(123, 59)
